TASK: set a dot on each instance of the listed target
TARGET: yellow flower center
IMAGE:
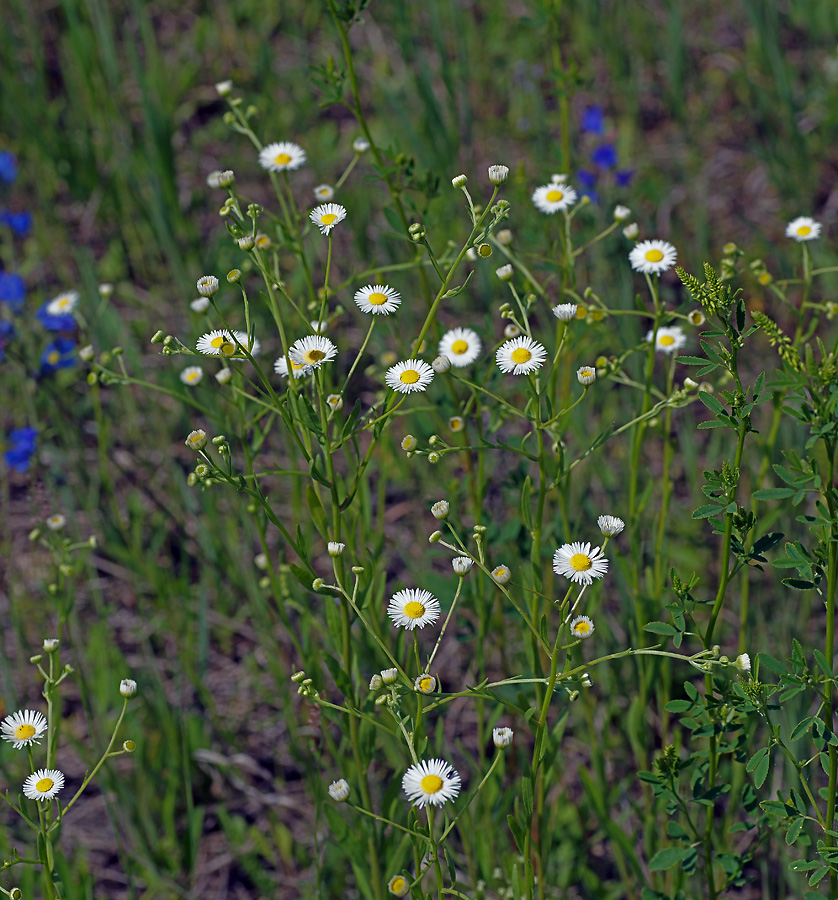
(44, 785)
(376, 298)
(192, 376)
(426, 683)
(398, 884)
(328, 219)
(409, 376)
(459, 347)
(455, 424)
(520, 355)
(586, 373)
(63, 304)
(313, 356)
(804, 230)
(654, 255)
(582, 628)
(666, 340)
(554, 196)
(282, 159)
(24, 732)
(53, 357)
(431, 784)
(414, 610)
(581, 562)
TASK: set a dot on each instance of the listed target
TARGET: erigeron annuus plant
(42, 802)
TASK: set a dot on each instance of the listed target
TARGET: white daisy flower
(586, 375)
(378, 299)
(312, 350)
(327, 215)
(456, 423)
(23, 728)
(502, 737)
(579, 563)
(220, 342)
(432, 782)
(461, 346)
(411, 608)
(520, 356)
(668, 340)
(284, 156)
(424, 683)
(398, 885)
(196, 440)
(56, 522)
(200, 304)
(505, 273)
(409, 376)
(582, 627)
(554, 197)
(498, 174)
(389, 676)
(65, 303)
(511, 331)
(462, 565)
(193, 375)
(564, 312)
(803, 229)
(610, 525)
(696, 317)
(339, 790)
(324, 192)
(207, 285)
(299, 370)
(440, 509)
(43, 784)
(501, 574)
(653, 257)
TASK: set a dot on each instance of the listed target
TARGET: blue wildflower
(605, 156)
(585, 178)
(12, 290)
(22, 443)
(20, 223)
(624, 177)
(53, 321)
(8, 166)
(58, 355)
(593, 120)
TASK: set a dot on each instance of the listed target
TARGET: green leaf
(765, 659)
(704, 512)
(711, 403)
(793, 832)
(526, 795)
(517, 832)
(669, 857)
(318, 514)
(823, 662)
(773, 493)
(660, 628)
(798, 584)
(691, 360)
(801, 728)
(526, 490)
(817, 876)
(679, 706)
(758, 765)
(394, 221)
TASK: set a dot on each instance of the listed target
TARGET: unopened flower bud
(339, 790)
(224, 88)
(360, 145)
(129, 746)
(621, 213)
(459, 181)
(336, 548)
(441, 365)
(389, 676)
(631, 231)
(511, 330)
(501, 574)
(127, 687)
(376, 682)
(462, 565)
(51, 644)
(498, 174)
(434, 457)
(317, 584)
(409, 442)
(440, 509)
(157, 337)
(335, 401)
(484, 250)
(247, 242)
(196, 440)
(86, 353)
(207, 285)
(435, 537)
(586, 375)
(504, 272)
(502, 737)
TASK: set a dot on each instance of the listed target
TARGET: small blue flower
(8, 166)
(605, 156)
(22, 443)
(624, 177)
(58, 355)
(20, 223)
(52, 322)
(12, 290)
(585, 178)
(593, 120)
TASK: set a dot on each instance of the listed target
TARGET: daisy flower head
(610, 525)
(461, 346)
(299, 370)
(668, 340)
(23, 728)
(192, 375)
(498, 174)
(462, 565)
(743, 663)
(520, 356)
(502, 737)
(424, 683)
(378, 299)
(43, 784)
(324, 192)
(803, 229)
(501, 574)
(220, 342)
(398, 885)
(207, 285)
(431, 782)
(283, 156)
(586, 375)
(554, 197)
(339, 790)
(582, 627)
(199, 304)
(653, 257)
(411, 608)
(65, 303)
(409, 376)
(56, 522)
(327, 215)
(564, 312)
(579, 563)
(312, 350)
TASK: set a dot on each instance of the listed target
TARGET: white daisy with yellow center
(312, 350)
(324, 192)
(226, 343)
(580, 563)
(668, 340)
(424, 684)
(610, 525)
(327, 215)
(411, 608)
(554, 197)
(63, 304)
(803, 229)
(398, 885)
(520, 356)
(192, 375)
(582, 627)
(283, 156)
(378, 299)
(56, 522)
(24, 728)
(299, 370)
(43, 784)
(653, 257)
(461, 346)
(586, 375)
(564, 312)
(431, 782)
(409, 376)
